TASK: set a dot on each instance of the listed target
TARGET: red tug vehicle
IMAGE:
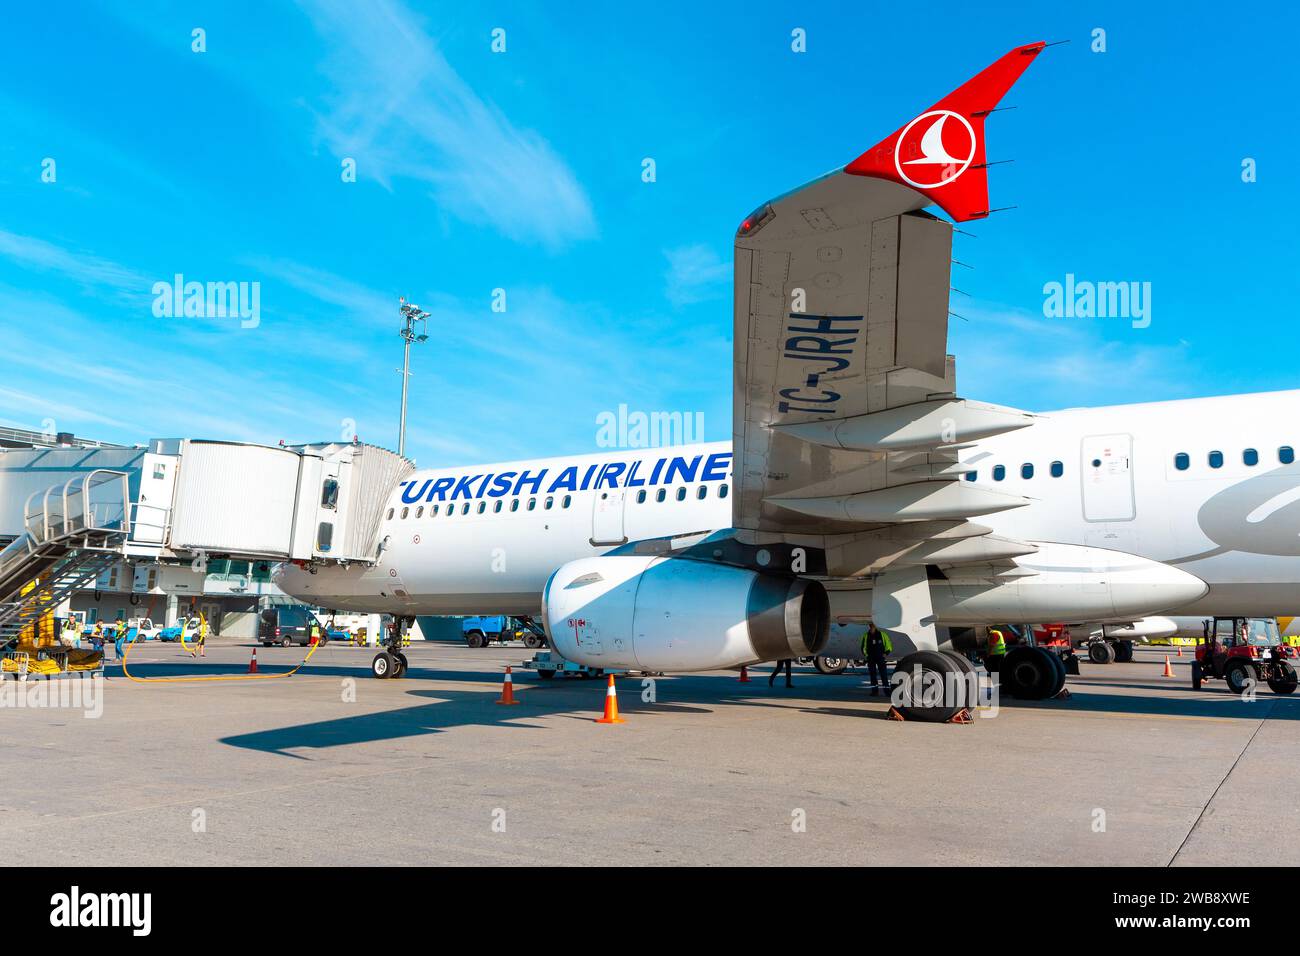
(1244, 651)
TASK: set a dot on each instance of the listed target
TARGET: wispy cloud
(695, 274)
(403, 112)
(88, 270)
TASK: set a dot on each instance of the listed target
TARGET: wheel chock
(962, 716)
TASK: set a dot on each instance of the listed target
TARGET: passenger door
(1106, 467)
(607, 517)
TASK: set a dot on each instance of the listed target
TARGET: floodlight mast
(411, 314)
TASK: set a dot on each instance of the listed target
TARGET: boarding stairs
(72, 533)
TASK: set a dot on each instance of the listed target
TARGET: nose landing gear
(390, 663)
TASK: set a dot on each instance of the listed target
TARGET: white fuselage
(486, 539)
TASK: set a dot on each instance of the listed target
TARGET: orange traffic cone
(744, 674)
(508, 689)
(1169, 671)
(1180, 650)
(611, 705)
(252, 665)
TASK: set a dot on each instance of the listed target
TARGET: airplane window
(1058, 469)
(451, 510)
(482, 507)
(681, 494)
(419, 512)
(1182, 461)
(496, 508)
(1026, 470)
(434, 511)
(661, 494)
(1216, 459)
(1096, 463)
(704, 490)
(390, 514)
(1250, 457)
(722, 490)
(465, 508)
(567, 499)
(970, 476)
(405, 512)
(532, 503)
(549, 501)
(999, 472)
(1285, 454)
(640, 497)
(514, 504)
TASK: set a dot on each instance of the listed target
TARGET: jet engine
(657, 613)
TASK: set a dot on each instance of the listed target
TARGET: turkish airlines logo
(941, 144)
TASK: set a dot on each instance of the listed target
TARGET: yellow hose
(181, 680)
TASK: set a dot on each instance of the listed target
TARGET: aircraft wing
(847, 421)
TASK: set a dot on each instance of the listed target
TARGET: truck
(482, 631)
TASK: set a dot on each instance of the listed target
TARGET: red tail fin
(940, 153)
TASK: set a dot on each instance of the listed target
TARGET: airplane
(859, 485)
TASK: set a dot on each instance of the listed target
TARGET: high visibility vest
(884, 637)
(997, 643)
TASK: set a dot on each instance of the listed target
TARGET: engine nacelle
(658, 613)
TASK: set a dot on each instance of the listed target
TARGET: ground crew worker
(997, 642)
(782, 665)
(876, 647)
(119, 639)
(315, 632)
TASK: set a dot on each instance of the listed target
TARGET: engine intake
(676, 614)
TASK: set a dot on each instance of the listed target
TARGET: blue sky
(522, 171)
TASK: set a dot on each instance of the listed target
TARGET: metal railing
(99, 500)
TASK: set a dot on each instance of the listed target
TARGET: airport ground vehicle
(482, 631)
(548, 664)
(289, 624)
(173, 633)
(1244, 651)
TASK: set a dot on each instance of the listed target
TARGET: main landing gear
(391, 662)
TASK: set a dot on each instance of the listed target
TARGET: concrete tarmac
(333, 767)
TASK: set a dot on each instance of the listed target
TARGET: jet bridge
(184, 501)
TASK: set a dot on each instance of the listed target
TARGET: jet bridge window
(329, 494)
(1026, 471)
(1286, 454)
(999, 472)
(1216, 459)
(1250, 457)
(1058, 469)
(325, 536)
(1182, 461)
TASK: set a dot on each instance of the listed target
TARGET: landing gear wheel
(1237, 676)
(830, 665)
(382, 665)
(993, 662)
(546, 675)
(1061, 672)
(286, 642)
(476, 639)
(926, 682)
(1029, 674)
(399, 665)
(1286, 681)
(1124, 652)
(1101, 652)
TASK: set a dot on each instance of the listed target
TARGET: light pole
(411, 314)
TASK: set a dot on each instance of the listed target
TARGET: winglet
(940, 153)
